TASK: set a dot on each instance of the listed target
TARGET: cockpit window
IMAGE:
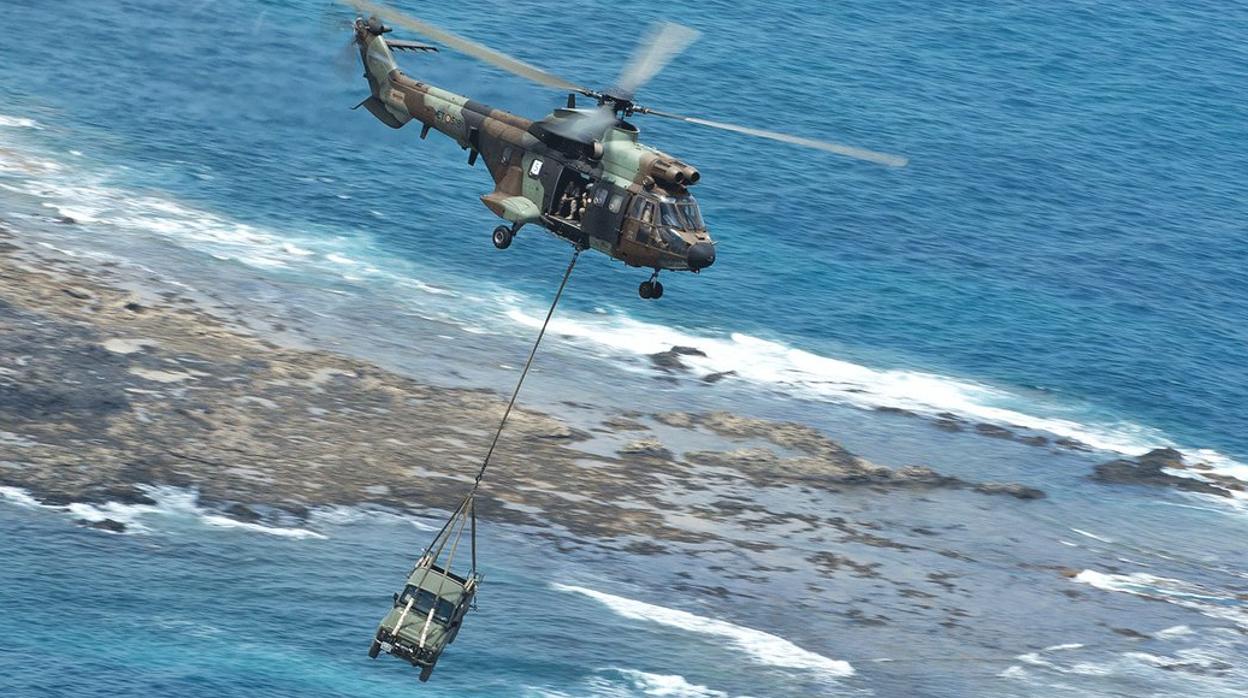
(670, 217)
(682, 213)
(689, 210)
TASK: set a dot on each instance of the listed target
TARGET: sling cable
(427, 615)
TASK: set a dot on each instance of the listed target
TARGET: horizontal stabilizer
(516, 209)
(400, 45)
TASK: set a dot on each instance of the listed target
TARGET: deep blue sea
(1065, 253)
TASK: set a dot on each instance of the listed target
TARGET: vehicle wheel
(426, 672)
(646, 289)
(657, 291)
(502, 237)
(374, 649)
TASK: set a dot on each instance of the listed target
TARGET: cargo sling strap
(465, 515)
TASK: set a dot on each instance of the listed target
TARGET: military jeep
(426, 616)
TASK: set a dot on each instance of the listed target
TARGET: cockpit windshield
(682, 213)
(693, 216)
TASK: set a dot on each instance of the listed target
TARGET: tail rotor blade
(839, 149)
(347, 60)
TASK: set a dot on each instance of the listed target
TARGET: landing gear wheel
(646, 290)
(656, 291)
(374, 649)
(502, 237)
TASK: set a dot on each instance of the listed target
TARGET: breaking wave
(1211, 601)
(171, 502)
(284, 531)
(763, 647)
(19, 122)
(803, 373)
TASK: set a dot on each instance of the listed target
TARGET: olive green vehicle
(426, 615)
(581, 173)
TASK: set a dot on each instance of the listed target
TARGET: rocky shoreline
(104, 392)
(117, 392)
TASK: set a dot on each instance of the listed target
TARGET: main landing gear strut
(651, 288)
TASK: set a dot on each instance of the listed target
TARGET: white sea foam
(1173, 632)
(807, 374)
(1211, 668)
(1061, 667)
(168, 502)
(7, 121)
(763, 647)
(671, 685)
(1211, 601)
(1093, 536)
(226, 522)
(339, 259)
(128, 514)
(18, 496)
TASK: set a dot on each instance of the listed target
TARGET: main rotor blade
(848, 150)
(481, 52)
(665, 42)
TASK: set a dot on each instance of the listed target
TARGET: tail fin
(378, 109)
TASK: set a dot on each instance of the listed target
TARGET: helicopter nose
(701, 256)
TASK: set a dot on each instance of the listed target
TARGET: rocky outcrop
(646, 448)
(1012, 489)
(823, 462)
(104, 525)
(670, 360)
(104, 392)
(1150, 470)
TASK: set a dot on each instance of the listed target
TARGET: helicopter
(581, 173)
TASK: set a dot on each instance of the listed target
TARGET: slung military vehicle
(579, 172)
(426, 616)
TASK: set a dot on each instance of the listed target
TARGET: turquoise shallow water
(1066, 251)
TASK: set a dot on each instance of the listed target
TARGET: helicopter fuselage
(609, 193)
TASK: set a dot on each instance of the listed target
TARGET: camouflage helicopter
(579, 172)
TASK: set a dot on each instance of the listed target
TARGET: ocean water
(1065, 254)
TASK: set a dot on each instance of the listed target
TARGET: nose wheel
(651, 289)
(502, 237)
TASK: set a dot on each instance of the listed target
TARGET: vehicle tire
(656, 292)
(502, 237)
(426, 672)
(374, 649)
(646, 289)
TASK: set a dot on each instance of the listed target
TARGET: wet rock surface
(108, 525)
(1150, 470)
(105, 393)
(824, 463)
(670, 360)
